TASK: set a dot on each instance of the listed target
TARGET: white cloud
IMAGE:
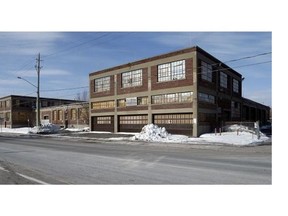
(29, 43)
(33, 73)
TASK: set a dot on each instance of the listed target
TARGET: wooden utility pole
(38, 68)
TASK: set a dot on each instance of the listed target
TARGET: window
(54, 115)
(102, 84)
(206, 71)
(138, 119)
(104, 120)
(103, 105)
(171, 71)
(44, 103)
(7, 116)
(142, 100)
(129, 102)
(132, 78)
(17, 103)
(173, 119)
(235, 86)
(223, 80)
(206, 98)
(121, 103)
(73, 114)
(181, 97)
(235, 109)
(60, 115)
(7, 103)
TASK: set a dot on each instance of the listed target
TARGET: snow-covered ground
(237, 136)
(153, 133)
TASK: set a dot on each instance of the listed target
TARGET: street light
(37, 101)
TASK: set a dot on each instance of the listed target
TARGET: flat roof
(41, 98)
(174, 53)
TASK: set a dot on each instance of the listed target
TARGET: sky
(69, 57)
(216, 26)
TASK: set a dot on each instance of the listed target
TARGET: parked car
(266, 129)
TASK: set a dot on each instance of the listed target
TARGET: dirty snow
(236, 135)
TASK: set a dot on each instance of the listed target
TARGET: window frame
(170, 98)
(206, 71)
(236, 86)
(132, 78)
(102, 84)
(171, 71)
(103, 105)
(223, 80)
(203, 97)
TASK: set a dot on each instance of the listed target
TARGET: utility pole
(38, 68)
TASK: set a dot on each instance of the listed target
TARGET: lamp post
(38, 68)
(37, 100)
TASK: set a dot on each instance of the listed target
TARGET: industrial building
(20, 111)
(187, 91)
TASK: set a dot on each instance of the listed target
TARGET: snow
(85, 129)
(152, 132)
(48, 128)
(238, 135)
(235, 135)
(24, 130)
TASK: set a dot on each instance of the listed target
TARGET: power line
(64, 89)
(249, 57)
(240, 66)
(238, 59)
(78, 45)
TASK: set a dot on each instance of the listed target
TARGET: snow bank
(152, 132)
(24, 130)
(240, 138)
(85, 129)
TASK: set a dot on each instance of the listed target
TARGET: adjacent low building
(20, 111)
(72, 115)
(187, 91)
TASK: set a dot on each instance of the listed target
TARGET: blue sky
(69, 57)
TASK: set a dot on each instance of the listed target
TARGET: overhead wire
(106, 34)
(75, 46)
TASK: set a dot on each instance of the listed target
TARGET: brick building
(69, 115)
(20, 111)
(187, 91)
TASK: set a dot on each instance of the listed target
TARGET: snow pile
(85, 129)
(235, 138)
(238, 136)
(152, 132)
(24, 130)
(45, 129)
(239, 128)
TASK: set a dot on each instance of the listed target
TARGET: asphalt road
(47, 160)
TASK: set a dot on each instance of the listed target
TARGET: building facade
(20, 111)
(73, 115)
(187, 91)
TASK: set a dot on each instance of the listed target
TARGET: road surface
(47, 160)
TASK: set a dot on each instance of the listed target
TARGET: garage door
(103, 123)
(181, 123)
(132, 123)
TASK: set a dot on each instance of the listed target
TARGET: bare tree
(82, 96)
(84, 110)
